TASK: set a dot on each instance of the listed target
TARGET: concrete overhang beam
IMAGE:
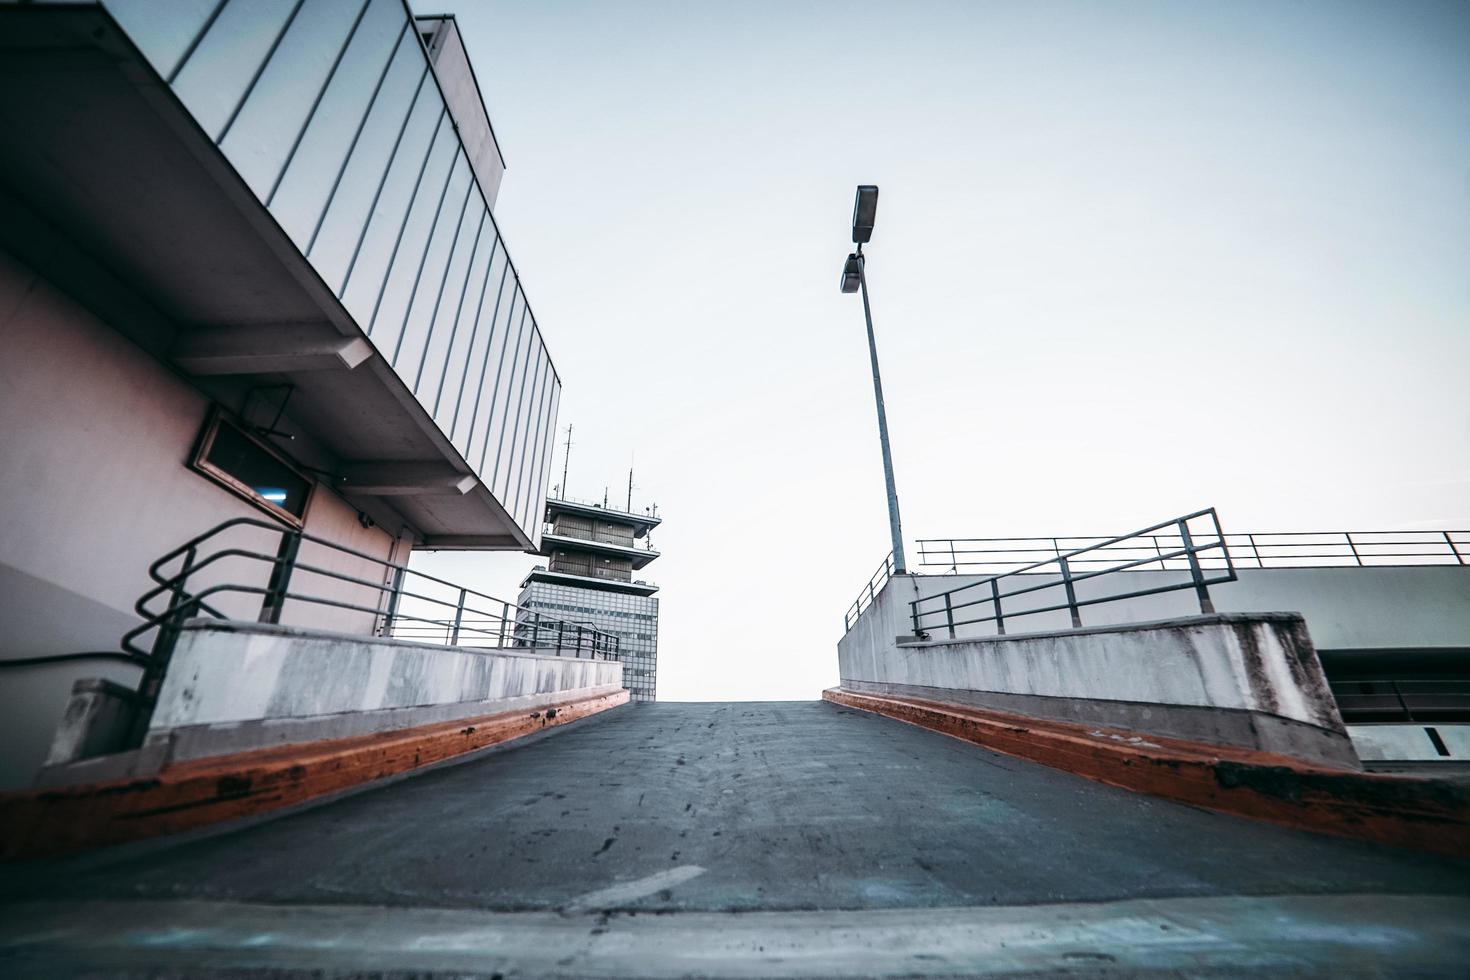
(386, 479)
(268, 350)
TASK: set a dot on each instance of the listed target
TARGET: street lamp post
(855, 278)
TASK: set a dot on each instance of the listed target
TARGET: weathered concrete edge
(1205, 619)
(1225, 727)
(197, 742)
(1225, 935)
(41, 822)
(1426, 814)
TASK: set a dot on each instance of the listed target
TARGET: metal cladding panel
(331, 115)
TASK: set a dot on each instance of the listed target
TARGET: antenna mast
(566, 462)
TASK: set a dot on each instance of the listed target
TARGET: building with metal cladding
(592, 552)
(248, 267)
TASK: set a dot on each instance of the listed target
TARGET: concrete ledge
(1246, 680)
(36, 823)
(1216, 726)
(1427, 814)
(1190, 936)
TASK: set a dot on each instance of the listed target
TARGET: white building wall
(95, 440)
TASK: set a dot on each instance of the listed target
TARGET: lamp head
(852, 273)
(864, 210)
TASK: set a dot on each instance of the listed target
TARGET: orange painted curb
(1428, 814)
(35, 823)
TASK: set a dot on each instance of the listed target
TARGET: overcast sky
(1130, 260)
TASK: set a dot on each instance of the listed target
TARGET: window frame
(200, 464)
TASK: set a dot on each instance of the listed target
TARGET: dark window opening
(248, 467)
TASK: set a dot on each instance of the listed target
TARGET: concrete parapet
(1246, 680)
(237, 687)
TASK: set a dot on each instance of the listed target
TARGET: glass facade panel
(455, 360)
(481, 362)
(302, 196)
(543, 447)
(163, 40)
(500, 354)
(522, 381)
(445, 315)
(433, 269)
(354, 196)
(263, 134)
(216, 75)
(398, 286)
(525, 419)
(505, 393)
(366, 276)
(535, 416)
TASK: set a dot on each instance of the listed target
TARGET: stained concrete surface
(741, 806)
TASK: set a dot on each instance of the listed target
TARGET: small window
(248, 467)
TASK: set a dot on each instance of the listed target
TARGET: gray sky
(1130, 260)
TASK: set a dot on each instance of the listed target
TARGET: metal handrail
(992, 594)
(876, 581)
(508, 626)
(600, 537)
(1411, 699)
(1258, 549)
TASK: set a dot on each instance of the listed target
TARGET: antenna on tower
(630, 488)
(566, 462)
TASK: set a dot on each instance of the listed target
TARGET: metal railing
(599, 535)
(402, 603)
(1413, 700)
(870, 592)
(984, 601)
(1287, 549)
(649, 513)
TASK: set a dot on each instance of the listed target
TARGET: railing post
(1205, 605)
(395, 592)
(1408, 715)
(560, 626)
(914, 616)
(1071, 594)
(1158, 551)
(1000, 620)
(504, 613)
(949, 615)
(1353, 548)
(1255, 551)
(1453, 550)
(535, 629)
(458, 618)
(280, 580)
(163, 648)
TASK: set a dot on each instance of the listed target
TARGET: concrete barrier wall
(237, 687)
(1252, 681)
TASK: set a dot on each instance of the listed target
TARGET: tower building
(592, 553)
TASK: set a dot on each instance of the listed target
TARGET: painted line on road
(630, 891)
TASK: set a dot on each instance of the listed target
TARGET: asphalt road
(742, 806)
